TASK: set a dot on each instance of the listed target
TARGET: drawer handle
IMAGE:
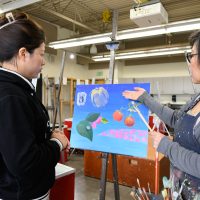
(133, 162)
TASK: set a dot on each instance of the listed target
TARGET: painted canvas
(107, 122)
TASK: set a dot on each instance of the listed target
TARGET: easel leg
(115, 177)
(102, 190)
(72, 152)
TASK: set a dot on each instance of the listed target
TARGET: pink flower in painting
(126, 137)
(119, 134)
(137, 140)
(104, 134)
(94, 125)
(131, 139)
(98, 121)
(141, 133)
(144, 140)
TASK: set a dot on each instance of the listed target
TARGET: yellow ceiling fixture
(106, 16)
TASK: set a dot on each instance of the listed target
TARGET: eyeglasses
(189, 55)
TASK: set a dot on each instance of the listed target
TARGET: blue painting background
(116, 102)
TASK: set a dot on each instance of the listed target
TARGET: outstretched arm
(165, 113)
(134, 94)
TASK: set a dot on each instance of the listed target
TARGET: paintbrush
(132, 194)
(156, 156)
(145, 193)
(137, 196)
(149, 188)
(140, 190)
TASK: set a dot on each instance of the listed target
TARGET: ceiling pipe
(69, 19)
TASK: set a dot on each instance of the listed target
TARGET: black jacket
(27, 156)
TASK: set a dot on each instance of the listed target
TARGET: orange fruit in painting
(129, 121)
(117, 115)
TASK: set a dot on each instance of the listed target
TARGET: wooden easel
(102, 190)
(57, 107)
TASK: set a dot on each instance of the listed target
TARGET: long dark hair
(23, 32)
(194, 39)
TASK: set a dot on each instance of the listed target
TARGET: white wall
(53, 66)
(105, 72)
(53, 62)
(93, 74)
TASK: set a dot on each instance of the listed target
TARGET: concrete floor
(87, 188)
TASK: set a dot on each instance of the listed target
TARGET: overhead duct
(149, 14)
(8, 5)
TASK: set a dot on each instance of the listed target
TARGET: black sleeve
(20, 151)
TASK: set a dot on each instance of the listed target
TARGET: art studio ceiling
(84, 17)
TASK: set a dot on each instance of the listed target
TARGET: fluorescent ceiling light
(87, 40)
(8, 5)
(141, 54)
(140, 32)
(181, 26)
(175, 27)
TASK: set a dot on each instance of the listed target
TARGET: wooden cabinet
(129, 168)
(155, 84)
(50, 95)
(190, 88)
(187, 86)
(172, 85)
(68, 91)
(72, 95)
(97, 81)
(67, 98)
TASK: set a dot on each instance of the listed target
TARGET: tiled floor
(87, 188)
